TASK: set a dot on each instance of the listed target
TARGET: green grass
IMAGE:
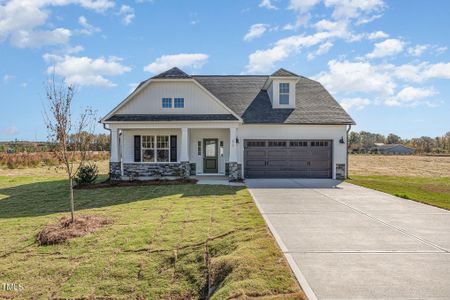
(155, 249)
(433, 191)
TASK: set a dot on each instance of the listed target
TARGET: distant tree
(393, 139)
(70, 138)
(353, 140)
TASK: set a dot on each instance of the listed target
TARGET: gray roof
(172, 117)
(283, 73)
(245, 96)
(173, 73)
(391, 146)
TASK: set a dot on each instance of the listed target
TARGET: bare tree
(68, 137)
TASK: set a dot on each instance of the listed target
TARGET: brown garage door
(287, 158)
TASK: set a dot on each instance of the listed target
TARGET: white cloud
(357, 103)
(356, 77)
(418, 50)
(439, 70)
(85, 71)
(324, 48)
(410, 96)
(36, 39)
(22, 22)
(12, 130)
(165, 62)
(8, 77)
(388, 47)
(302, 6)
(302, 20)
(127, 13)
(347, 9)
(377, 35)
(267, 4)
(88, 29)
(421, 72)
(255, 31)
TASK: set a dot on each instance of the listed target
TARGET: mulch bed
(63, 230)
(109, 183)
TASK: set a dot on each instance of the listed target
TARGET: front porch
(153, 151)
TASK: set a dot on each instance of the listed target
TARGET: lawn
(165, 242)
(420, 178)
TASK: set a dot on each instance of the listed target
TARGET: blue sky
(386, 62)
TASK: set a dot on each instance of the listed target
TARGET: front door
(210, 161)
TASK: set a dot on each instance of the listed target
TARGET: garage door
(287, 158)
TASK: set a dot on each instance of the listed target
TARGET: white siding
(196, 135)
(196, 100)
(128, 138)
(328, 132)
(276, 93)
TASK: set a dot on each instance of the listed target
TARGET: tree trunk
(72, 206)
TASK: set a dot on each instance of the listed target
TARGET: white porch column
(233, 148)
(184, 144)
(114, 145)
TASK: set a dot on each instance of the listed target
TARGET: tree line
(97, 142)
(363, 141)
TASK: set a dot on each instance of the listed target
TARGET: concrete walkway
(348, 242)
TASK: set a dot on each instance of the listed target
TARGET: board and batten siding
(128, 140)
(196, 100)
(196, 135)
(307, 132)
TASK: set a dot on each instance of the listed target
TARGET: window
(298, 144)
(148, 148)
(256, 144)
(155, 148)
(167, 102)
(277, 144)
(178, 102)
(199, 148)
(319, 144)
(284, 93)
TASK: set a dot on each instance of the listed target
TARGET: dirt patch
(65, 229)
(108, 183)
(398, 165)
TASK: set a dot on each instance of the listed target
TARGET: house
(392, 149)
(243, 126)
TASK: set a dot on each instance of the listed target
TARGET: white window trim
(155, 148)
(178, 107)
(284, 93)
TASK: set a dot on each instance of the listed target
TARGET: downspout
(346, 144)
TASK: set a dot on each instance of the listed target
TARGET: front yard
(166, 242)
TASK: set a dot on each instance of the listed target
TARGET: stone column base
(185, 169)
(114, 171)
(234, 171)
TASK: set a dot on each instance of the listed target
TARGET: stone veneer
(136, 170)
(234, 171)
(340, 171)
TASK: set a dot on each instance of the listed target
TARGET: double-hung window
(284, 93)
(178, 102)
(166, 102)
(155, 148)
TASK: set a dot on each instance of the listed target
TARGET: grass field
(166, 242)
(421, 178)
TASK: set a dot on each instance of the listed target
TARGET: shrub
(86, 174)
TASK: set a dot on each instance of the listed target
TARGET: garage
(287, 158)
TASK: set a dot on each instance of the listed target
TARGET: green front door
(210, 161)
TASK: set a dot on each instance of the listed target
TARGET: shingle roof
(244, 95)
(172, 117)
(283, 73)
(174, 73)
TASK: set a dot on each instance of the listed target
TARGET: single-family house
(243, 126)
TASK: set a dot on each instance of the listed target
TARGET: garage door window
(298, 144)
(256, 144)
(277, 144)
(319, 144)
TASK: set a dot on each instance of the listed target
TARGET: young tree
(393, 139)
(68, 137)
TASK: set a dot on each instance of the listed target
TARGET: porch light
(237, 141)
(342, 140)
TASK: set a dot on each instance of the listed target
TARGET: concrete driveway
(347, 242)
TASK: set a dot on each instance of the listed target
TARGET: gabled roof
(245, 97)
(173, 73)
(283, 73)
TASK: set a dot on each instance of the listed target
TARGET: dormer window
(178, 103)
(166, 102)
(284, 93)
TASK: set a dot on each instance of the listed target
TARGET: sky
(386, 62)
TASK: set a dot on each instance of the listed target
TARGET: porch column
(114, 145)
(184, 145)
(233, 148)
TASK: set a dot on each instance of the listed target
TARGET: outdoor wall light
(237, 141)
(342, 140)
